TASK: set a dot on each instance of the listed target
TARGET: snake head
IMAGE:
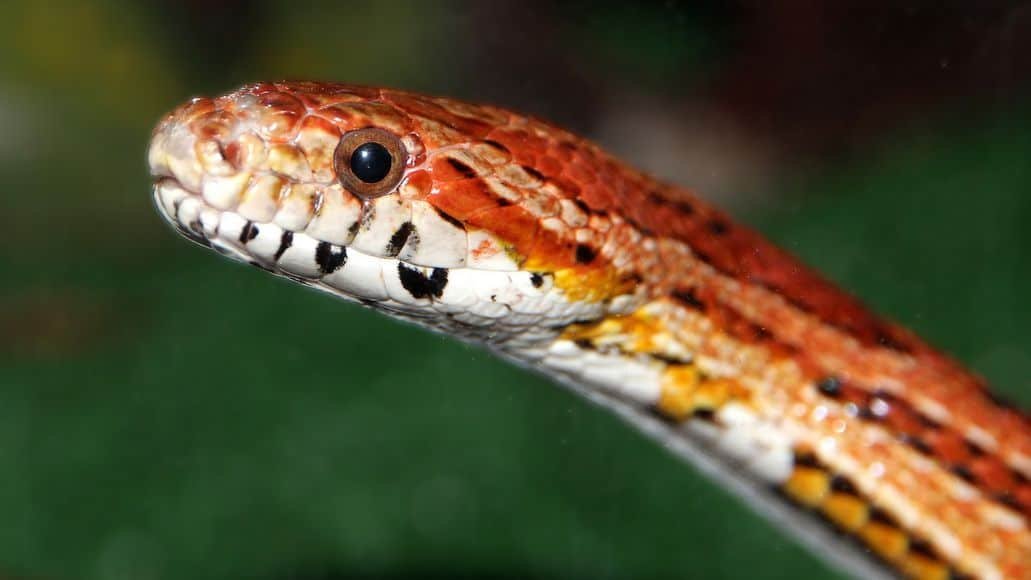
(432, 209)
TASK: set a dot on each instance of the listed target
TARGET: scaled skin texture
(509, 232)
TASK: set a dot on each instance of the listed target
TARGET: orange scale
(1023, 496)
(340, 115)
(512, 224)
(548, 165)
(949, 446)
(462, 199)
(213, 124)
(444, 170)
(417, 184)
(903, 421)
(282, 102)
(992, 474)
(425, 108)
(560, 153)
(580, 173)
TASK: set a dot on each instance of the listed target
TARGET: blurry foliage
(165, 414)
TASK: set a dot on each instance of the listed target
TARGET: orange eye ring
(369, 162)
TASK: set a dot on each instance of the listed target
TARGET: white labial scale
(260, 201)
(209, 219)
(179, 157)
(360, 276)
(223, 192)
(189, 211)
(627, 378)
(461, 291)
(434, 241)
(299, 258)
(381, 218)
(265, 243)
(230, 227)
(487, 252)
(295, 206)
(166, 195)
(336, 217)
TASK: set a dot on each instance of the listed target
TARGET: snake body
(878, 452)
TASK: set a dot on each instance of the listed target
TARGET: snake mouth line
(504, 303)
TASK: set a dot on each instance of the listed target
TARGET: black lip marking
(353, 230)
(462, 168)
(536, 279)
(397, 241)
(449, 218)
(584, 254)
(250, 231)
(284, 243)
(329, 257)
(421, 286)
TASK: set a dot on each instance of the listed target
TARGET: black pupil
(370, 162)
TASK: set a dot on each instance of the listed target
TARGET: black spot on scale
(353, 230)
(285, 242)
(533, 172)
(249, 232)
(397, 241)
(536, 279)
(689, 298)
(329, 257)
(496, 145)
(964, 473)
(584, 254)
(419, 285)
(842, 485)
(830, 386)
(718, 227)
(462, 168)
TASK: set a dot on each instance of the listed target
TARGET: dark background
(166, 414)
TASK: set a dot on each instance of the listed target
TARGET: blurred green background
(166, 414)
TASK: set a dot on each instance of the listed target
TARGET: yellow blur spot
(808, 485)
(923, 568)
(847, 511)
(677, 395)
(888, 542)
(589, 284)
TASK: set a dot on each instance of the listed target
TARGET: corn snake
(508, 232)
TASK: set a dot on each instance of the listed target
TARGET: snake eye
(369, 162)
